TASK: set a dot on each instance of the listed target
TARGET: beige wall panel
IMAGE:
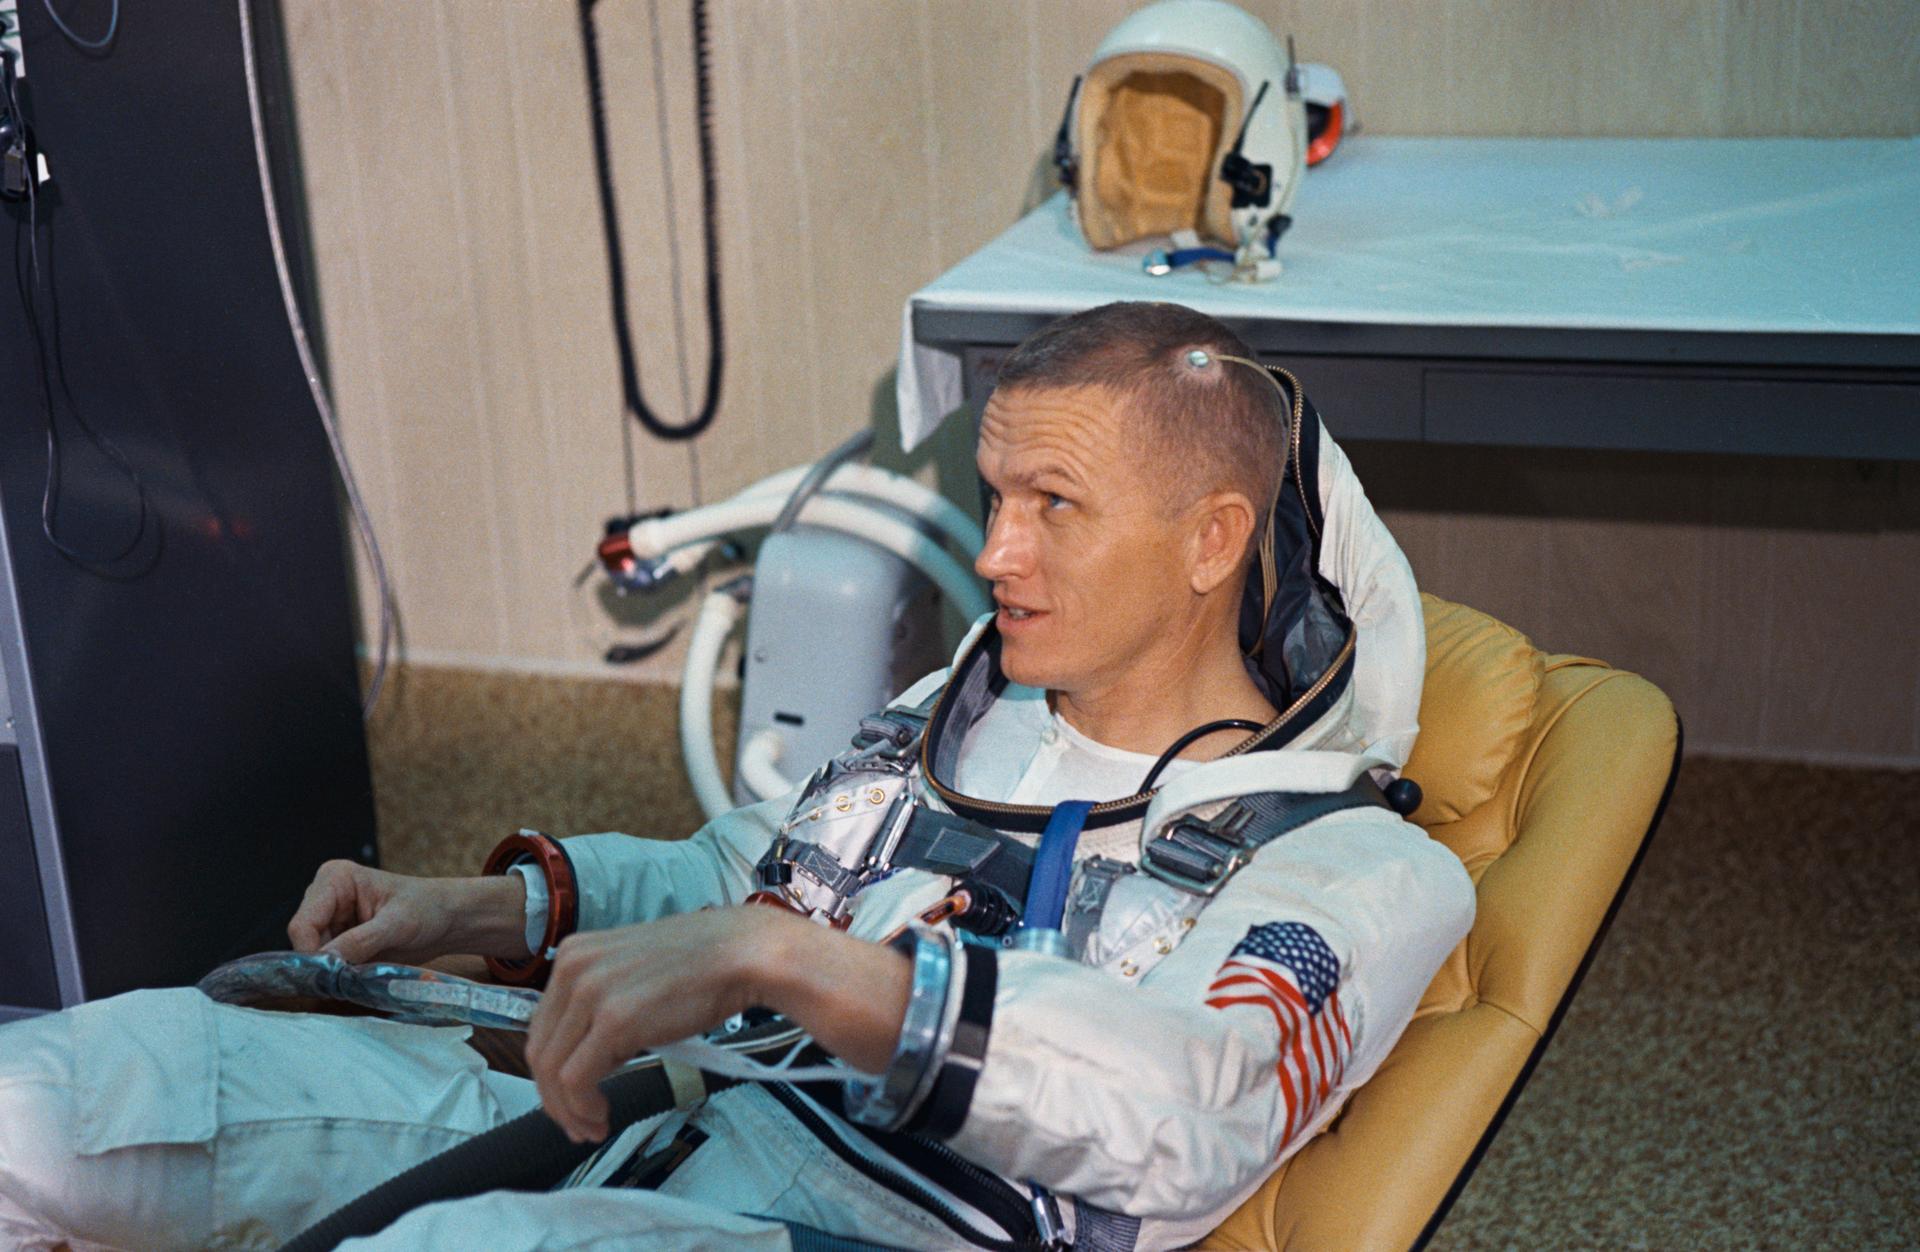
(1759, 83)
(553, 525)
(1859, 71)
(1844, 660)
(423, 298)
(474, 56)
(1473, 526)
(1903, 557)
(1735, 640)
(1676, 50)
(348, 333)
(768, 418)
(1499, 565)
(1769, 598)
(1631, 589)
(1421, 536)
(1625, 549)
(1511, 68)
(566, 326)
(1397, 81)
(980, 144)
(1615, 67)
(761, 290)
(870, 197)
(1335, 34)
(407, 278)
(1844, 657)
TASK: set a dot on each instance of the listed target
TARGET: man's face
(1088, 568)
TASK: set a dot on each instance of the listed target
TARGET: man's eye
(1055, 501)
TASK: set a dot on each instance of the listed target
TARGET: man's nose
(1007, 553)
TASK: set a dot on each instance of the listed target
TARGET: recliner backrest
(1545, 775)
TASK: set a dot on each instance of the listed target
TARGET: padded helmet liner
(1153, 127)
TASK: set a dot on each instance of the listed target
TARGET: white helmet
(1188, 119)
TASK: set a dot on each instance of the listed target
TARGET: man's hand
(363, 914)
(614, 993)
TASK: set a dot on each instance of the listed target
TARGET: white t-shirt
(1071, 766)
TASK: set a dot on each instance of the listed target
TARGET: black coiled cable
(610, 223)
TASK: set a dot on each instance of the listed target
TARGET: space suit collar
(977, 681)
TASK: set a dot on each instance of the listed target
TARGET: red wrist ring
(530, 847)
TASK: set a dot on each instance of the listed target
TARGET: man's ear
(1223, 529)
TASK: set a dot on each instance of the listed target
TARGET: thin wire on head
(1200, 358)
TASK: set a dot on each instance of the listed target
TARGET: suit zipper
(1299, 421)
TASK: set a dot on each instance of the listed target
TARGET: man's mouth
(1018, 613)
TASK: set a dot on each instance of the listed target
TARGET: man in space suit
(1146, 786)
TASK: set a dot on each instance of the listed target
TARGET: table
(1669, 295)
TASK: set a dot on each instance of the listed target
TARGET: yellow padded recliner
(1546, 775)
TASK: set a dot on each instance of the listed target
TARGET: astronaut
(1104, 921)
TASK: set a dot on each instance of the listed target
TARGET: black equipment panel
(29, 975)
(196, 701)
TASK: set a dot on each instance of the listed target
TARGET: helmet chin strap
(1199, 358)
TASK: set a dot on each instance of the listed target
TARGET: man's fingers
(558, 1103)
(303, 934)
(570, 1045)
(579, 1078)
(568, 965)
(330, 904)
(315, 907)
(365, 941)
(555, 1052)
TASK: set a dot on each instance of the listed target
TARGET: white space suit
(1150, 1085)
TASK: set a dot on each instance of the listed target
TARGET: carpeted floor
(1738, 1071)
(1739, 1068)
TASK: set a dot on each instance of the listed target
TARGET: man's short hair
(1221, 425)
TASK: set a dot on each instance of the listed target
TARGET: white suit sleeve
(623, 879)
(1179, 1095)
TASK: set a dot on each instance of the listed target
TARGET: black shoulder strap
(895, 731)
(1201, 854)
(979, 856)
(1194, 854)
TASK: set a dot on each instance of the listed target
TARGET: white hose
(718, 614)
(859, 479)
(759, 765)
(882, 529)
(657, 537)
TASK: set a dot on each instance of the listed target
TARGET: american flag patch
(1287, 969)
